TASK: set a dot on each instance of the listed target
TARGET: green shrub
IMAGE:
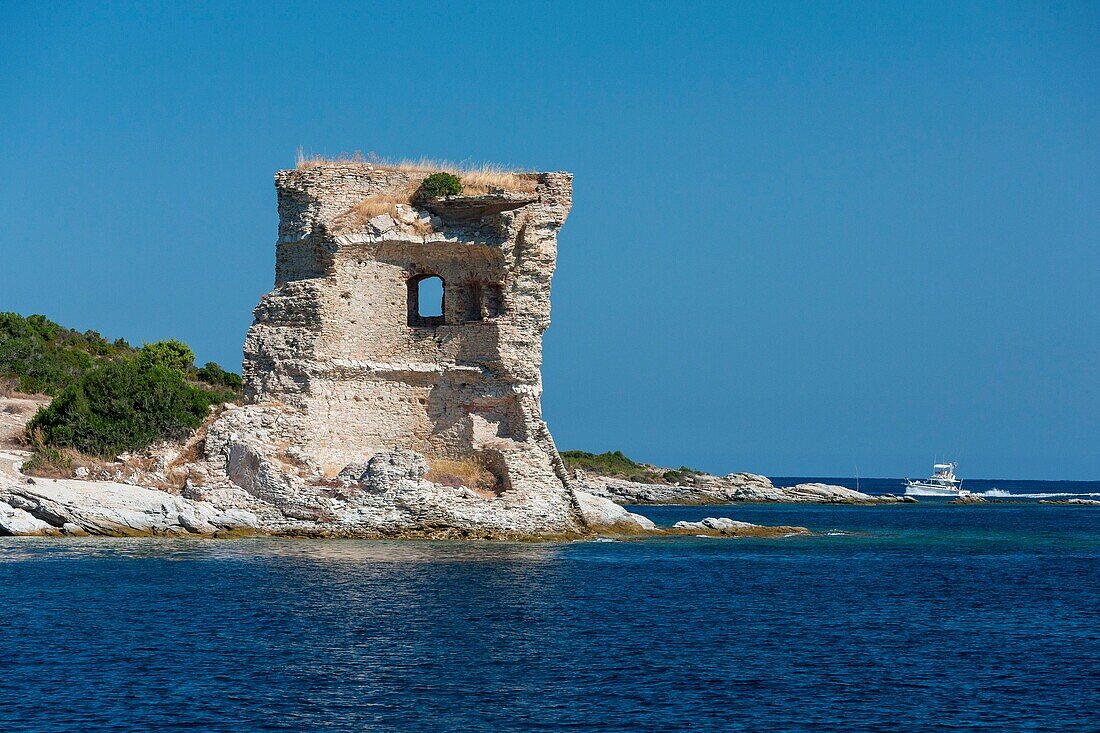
(171, 354)
(608, 464)
(214, 375)
(45, 357)
(440, 184)
(123, 406)
(614, 463)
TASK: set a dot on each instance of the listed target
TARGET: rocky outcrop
(723, 527)
(390, 498)
(15, 521)
(612, 518)
(733, 488)
(42, 506)
(1071, 502)
(386, 495)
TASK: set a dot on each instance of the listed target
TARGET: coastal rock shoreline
(734, 488)
(31, 506)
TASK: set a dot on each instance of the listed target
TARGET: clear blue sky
(805, 237)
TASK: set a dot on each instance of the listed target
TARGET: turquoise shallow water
(895, 618)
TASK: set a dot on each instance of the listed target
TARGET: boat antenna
(857, 477)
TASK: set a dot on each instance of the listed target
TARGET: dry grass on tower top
(370, 207)
(477, 178)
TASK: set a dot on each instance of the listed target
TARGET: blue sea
(921, 617)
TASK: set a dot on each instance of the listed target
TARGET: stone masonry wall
(336, 343)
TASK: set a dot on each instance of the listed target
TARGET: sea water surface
(891, 618)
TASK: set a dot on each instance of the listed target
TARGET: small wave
(836, 533)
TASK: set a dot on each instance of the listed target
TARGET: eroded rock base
(390, 500)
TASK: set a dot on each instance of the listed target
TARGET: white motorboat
(942, 482)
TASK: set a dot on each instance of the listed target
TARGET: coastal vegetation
(123, 406)
(108, 396)
(37, 356)
(614, 463)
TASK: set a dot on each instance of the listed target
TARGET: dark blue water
(917, 618)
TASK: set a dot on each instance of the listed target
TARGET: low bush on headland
(170, 354)
(44, 358)
(109, 397)
(123, 406)
(38, 356)
(215, 376)
(614, 463)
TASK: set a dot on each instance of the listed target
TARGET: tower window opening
(426, 300)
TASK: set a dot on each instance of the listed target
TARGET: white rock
(715, 523)
(103, 508)
(20, 522)
(405, 214)
(236, 519)
(355, 471)
(193, 522)
(73, 530)
(383, 223)
(603, 513)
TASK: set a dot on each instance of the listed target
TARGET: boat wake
(1003, 494)
(918, 491)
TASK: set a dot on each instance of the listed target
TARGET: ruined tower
(356, 364)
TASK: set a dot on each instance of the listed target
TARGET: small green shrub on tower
(440, 184)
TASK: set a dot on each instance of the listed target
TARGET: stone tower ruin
(344, 362)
